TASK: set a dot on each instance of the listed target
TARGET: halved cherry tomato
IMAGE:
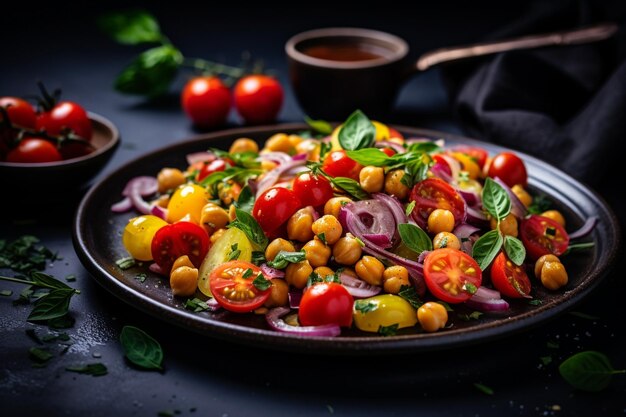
(508, 278)
(509, 168)
(208, 169)
(434, 193)
(34, 150)
(65, 115)
(178, 239)
(451, 275)
(232, 286)
(274, 207)
(20, 112)
(478, 155)
(337, 164)
(312, 190)
(138, 235)
(542, 236)
(326, 303)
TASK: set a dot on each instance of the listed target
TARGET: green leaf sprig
(357, 132)
(284, 258)
(588, 371)
(141, 349)
(248, 224)
(414, 237)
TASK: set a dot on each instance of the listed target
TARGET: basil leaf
(409, 208)
(390, 330)
(369, 156)
(248, 224)
(151, 73)
(351, 187)
(486, 248)
(321, 126)
(93, 369)
(140, 348)
(261, 283)
(131, 28)
(365, 306)
(515, 250)
(496, 200)
(53, 305)
(357, 132)
(414, 237)
(424, 147)
(588, 371)
(44, 280)
(245, 201)
(284, 258)
(408, 293)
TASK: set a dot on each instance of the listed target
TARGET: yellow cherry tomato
(382, 131)
(138, 234)
(187, 200)
(468, 164)
(383, 310)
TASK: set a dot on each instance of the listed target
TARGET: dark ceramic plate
(97, 239)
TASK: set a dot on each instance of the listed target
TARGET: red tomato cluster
(61, 131)
(207, 100)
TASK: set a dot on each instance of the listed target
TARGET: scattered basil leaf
(141, 349)
(408, 293)
(258, 257)
(23, 255)
(483, 388)
(313, 279)
(325, 147)
(426, 146)
(535, 302)
(247, 273)
(261, 283)
(125, 263)
(415, 171)
(6, 293)
(151, 73)
(414, 238)
(486, 248)
(495, 199)
(515, 250)
(332, 278)
(321, 126)
(351, 187)
(322, 237)
(131, 28)
(357, 132)
(234, 252)
(248, 224)
(93, 369)
(40, 355)
(63, 322)
(390, 330)
(47, 281)
(469, 288)
(369, 156)
(70, 278)
(546, 360)
(540, 204)
(365, 306)
(409, 208)
(588, 371)
(474, 315)
(583, 315)
(196, 305)
(284, 258)
(552, 345)
(54, 305)
(245, 201)
(141, 277)
(573, 247)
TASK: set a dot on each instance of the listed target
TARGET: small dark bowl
(43, 179)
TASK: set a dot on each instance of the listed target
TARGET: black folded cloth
(563, 104)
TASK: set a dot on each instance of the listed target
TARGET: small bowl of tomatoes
(54, 148)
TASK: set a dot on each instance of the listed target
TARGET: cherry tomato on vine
(338, 164)
(20, 112)
(434, 193)
(511, 280)
(178, 239)
(543, 236)
(34, 150)
(258, 98)
(326, 303)
(509, 168)
(312, 190)
(274, 207)
(232, 286)
(207, 101)
(451, 275)
(65, 115)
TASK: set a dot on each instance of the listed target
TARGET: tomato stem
(212, 67)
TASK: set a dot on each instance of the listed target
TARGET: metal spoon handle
(568, 37)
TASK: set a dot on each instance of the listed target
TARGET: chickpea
(543, 259)
(350, 272)
(394, 186)
(317, 253)
(169, 178)
(440, 220)
(216, 235)
(307, 146)
(299, 225)
(323, 271)
(330, 226)
(522, 195)
(554, 215)
(295, 140)
(181, 261)
(279, 294)
(276, 246)
(508, 225)
(394, 278)
(297, 274)
(446, 240)
(347, 250)
(372, 179)
(553, 275)
(244, 145)
(334, 205)
(184, 281)
(279, 143)
(432, 316)
(370, 270)
(163, 200)
(213, 217)
(232, 212)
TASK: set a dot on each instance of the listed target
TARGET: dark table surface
(206, 376)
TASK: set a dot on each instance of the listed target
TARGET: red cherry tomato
(479, 155)
(232, 286)
(208, 169)
(20, 112)
(508, 278)
(338, 164)
(393, 133)
(274, 207)
(258, 98)
(451, 275)
(34, 150)
(312, 190)
(434, 193)
(63, 116)
(178, 239)
(509, 168)
(388, 151)
(207, 101)
(543, 236)
(326, 303)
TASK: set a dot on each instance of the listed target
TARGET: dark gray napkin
(565, 105)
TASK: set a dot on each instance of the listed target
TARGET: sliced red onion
(416, 270)
(295, 295)
(357, 287)
(299, 157)
(487, 293)
(455, 166)
(585, 229)
(271, 177)
(368, 217)
(381, 240)
(394, 206)
(486, 299)
(464, 230)
(134, 190)
(275, 321)
(470, 197)
(196, 157)
(389, 144)
(476, 217)
(278, 157)
(442, 171)
(272, 273)
(159, 211)
(140, 204)
(122, 206)
(422, 256)
(154, 267)
(518, 208)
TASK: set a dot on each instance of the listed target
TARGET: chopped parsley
(125, 263)
(390, 330)
(365, 306)
(196, 305)
(408, 293)
(261, 283)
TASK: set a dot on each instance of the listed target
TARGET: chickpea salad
(349, 227)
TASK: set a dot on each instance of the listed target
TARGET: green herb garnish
(414, 237)
(248, 273)
(23, 255)
(357, 132)
(483, 388)
(234, 252)
(588, 371)
(93, 369)
(245, 201)
(261, 283)
(408, 293)
(40, 355)
(365, 306)
(125, 263)
(390, 330)
(409, 208)
(321, 126)
(196, 305)
(284, 258)
(248, 224)
(141, 349)
(141, 277)
(474, 315)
